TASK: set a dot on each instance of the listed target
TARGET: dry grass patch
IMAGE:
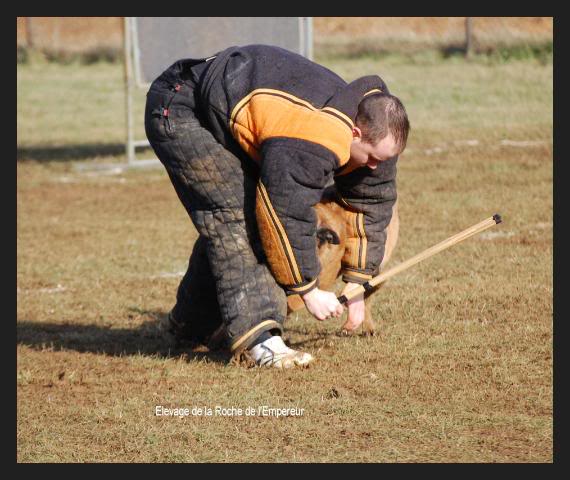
(461, 369)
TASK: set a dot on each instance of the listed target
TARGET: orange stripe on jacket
(275, 241)
(356, 242)
(267, 113)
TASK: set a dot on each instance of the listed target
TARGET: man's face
(365, 154)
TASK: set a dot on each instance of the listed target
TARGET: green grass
(461, 370)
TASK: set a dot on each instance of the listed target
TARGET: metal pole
(308, 21)
(468, 37)
(130, 147)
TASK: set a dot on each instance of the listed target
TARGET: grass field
(461, 370)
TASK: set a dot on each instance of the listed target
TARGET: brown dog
(331, 235)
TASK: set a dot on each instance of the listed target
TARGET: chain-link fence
(332, 35)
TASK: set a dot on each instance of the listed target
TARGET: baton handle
(449, 242)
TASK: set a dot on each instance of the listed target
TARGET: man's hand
(322, 304)
(356, 309)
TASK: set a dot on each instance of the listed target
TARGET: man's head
(380, 131)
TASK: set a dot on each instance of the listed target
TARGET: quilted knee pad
(247, 291)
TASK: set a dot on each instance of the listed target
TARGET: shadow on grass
(66, 153)
(145, 339)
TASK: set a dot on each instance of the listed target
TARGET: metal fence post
(130, 147)
(306, 32)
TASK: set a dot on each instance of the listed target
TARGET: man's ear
(356, 132)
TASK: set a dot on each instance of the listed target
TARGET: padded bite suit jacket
(295, 118)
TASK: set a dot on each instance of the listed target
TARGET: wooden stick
(459, 237)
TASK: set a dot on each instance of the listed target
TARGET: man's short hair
(380, 114)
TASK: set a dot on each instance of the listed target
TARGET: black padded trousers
(217, 188)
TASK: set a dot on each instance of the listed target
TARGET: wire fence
(332, 35)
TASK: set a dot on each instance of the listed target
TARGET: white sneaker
(274, 353)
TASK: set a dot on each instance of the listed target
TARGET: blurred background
(93, 38)
(57, 49)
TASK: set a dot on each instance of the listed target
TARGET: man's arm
(293, 176)
(369, 197)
